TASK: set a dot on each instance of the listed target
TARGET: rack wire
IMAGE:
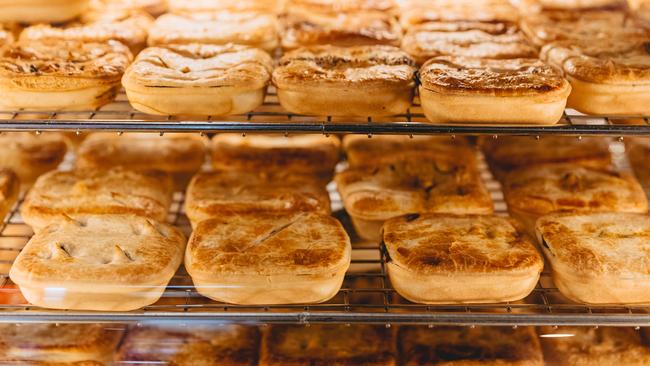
(366, 296)
(119, 116)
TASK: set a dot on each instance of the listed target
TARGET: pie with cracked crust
(198, 79)
(59, 344)
(41, 11)
(30, 155)
(450, 259)
(469, 346)
(598, 258)
(263, 259)
(98, 262)
(179, 154)
(607, 76)
(490, 91)
(253, 29)
(325, 345)
(218, 345)
(97, 192)
(61, 75)
(468, 39)
(539, 190)
(216, 193)
(296, 154)
(9, 190)
(432, 184)
(346, 81)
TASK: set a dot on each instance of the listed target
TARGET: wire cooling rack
(119, 116)
(366, 296)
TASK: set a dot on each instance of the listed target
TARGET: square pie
(346, 81)
(98, 262)
(539, 190)
(265, 259)
(598, 258)
(373, 194)
(30, 155)
(9, 190)
(469, 90)
(61, 75)
(449, 259)
(198, 80)
(259, 30)
(465, 346)
(97, 192)
(328, 345)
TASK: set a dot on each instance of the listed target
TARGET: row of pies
(477, 65)
(263, 234)
(233, 345)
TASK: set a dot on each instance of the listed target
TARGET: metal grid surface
(272, 118)
(366, 296)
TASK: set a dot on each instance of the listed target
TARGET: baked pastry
(469, 90)
(261, 258)
(51, 344)
(467, 39)
(41, 11)
(568, 5)
(539, 190)
(460, 346)
(153, 7)
(305, 29)
(221, 345)
(449, 259)
(97, 192)
(342, 6)
(354, 81)
(607, 77)
(593, 346)
(213, 194)
(198, 6)
(387, 149)
(181, 155)
(641, 9)
(30, 155)
(440, 184)
(326, 345)
(508, 153)
(598, 258)
(6, 37)
(128, 27)
(60, 75)
(98, 262)
(198, 79)
(253, 29)
(414, 12)
(9, 190)
(638, 151)
(297, 154)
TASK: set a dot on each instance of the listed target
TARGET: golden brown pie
(198, 79)
(59, 75)
(491, 91)
(346, 81)
(265, 258)
(30, 155)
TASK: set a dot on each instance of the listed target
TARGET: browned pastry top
(434, 244)
(515, 77)
(605, 244)
(303, 29)
(465, 346)
(427, 184)
(567, 187)
(268, 244)
(223, 345)
(365, 345)
(197, 65)
(422, 11)
(328, 66)
(341, 6)
(63, 65)
(612, 60)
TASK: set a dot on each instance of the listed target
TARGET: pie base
(54, 101)
(609, 99)
(369, 230)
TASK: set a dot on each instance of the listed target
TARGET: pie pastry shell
(265, 259)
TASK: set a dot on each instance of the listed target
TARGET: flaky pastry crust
(30, 155)
(365, 345)
(465, 346)
(9, 190)
(93, 191)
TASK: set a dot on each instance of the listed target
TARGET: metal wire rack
(119, 116)
(366, 296)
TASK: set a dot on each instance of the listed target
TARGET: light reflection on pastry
(41, 11)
